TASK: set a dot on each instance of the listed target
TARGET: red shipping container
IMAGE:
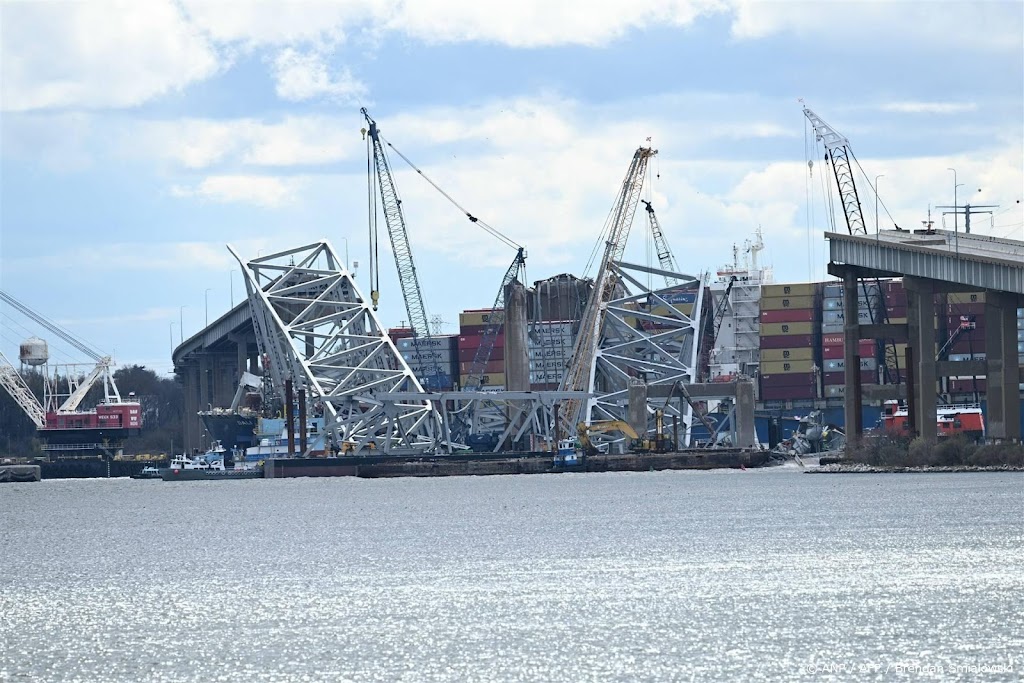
(964, 386)
(788, 379)
(866, 377)
(788, 341)
(787, 393)
(788, 315)
(896, 311)
(478, 330)
(472, 341)
(467, 355)
(966, 309)
(493, 367)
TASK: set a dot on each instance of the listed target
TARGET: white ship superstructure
(737, 344)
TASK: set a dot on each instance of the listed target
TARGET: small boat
(209, 465)
(148, 472)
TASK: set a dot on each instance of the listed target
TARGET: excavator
(661, 443)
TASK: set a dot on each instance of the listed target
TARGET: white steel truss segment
(646, 335)
(315, 328)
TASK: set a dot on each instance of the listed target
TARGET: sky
(137, 139)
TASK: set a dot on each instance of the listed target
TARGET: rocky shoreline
(860, 468)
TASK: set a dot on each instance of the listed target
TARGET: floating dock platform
(18, 473)
(511, 463)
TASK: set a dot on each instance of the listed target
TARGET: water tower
(34, 352)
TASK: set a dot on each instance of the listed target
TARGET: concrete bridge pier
(1003, 374)
(921, 333)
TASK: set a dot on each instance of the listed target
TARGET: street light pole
(880, 175)
(181, 324)
(206, 302)
(171, 331)
(231, 280)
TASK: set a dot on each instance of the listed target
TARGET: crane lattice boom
(577, 374)
(838, 150)
(19, 391)
(395, 219)
(665, 257)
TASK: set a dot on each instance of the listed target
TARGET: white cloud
(304, 76)
(929, 107)
(260, 190)
(965, 25)
(108, 53)
(539, 23)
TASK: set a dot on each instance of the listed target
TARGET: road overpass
(931, 262)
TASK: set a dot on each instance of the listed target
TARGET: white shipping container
(445, 342)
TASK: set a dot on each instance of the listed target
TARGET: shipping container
(550, 377)
(687, 297)
(774, 329)
(469, 354)
(399, 333)
(966, 298)
(666, 312)
(778, 367)
(863, 317)
(787, 393)
(479, 330)
(788, 341)
(832, 291)
(797, 315)
(415, 357)
(492, 367)
(866, 349)
(839, 364)
(966, 356)
(472, 341)
(967, 385)
(797, 289)
(476, 317)
(898, 320)
(803, 353)
(806, 379)
(437, 342)
(839, 390)
(837, 305)
(772, 303)
(494, 379)
(866, 377)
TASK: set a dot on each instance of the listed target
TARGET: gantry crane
(838, 151)
(665, 257)
(578, 373)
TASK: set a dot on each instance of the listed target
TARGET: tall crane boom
(494, 322)
(665, 257)
(19, 391)
(578, 374)
(838, 150)
(395, 219)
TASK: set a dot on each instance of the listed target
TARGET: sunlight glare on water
(758, 575)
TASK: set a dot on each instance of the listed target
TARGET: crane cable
(473, 219)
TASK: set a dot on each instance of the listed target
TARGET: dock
(480, 464)
(20, 473)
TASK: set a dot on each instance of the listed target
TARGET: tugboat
(209, 465)
(148, 472)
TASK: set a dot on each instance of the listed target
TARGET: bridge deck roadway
(931, 262)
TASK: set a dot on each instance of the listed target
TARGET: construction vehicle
(660, 443)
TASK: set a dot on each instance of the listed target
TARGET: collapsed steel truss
(315, 328)
(645, 336)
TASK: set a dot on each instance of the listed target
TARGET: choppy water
(674, 576)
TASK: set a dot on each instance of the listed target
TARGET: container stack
(432, 359)
(549, 346)
(790, 338)
(833, 339)
(472, 326)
